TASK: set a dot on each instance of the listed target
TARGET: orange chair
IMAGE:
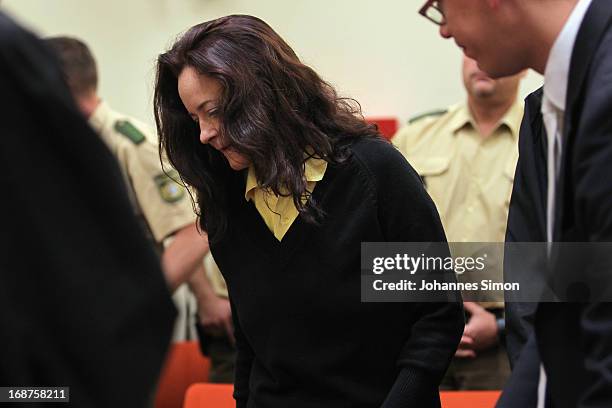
(220, 396)
(210, 396)
(469, 399)
(184, 365)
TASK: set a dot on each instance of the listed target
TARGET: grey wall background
(380, 52)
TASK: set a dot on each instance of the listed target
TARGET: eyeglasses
(433, 12)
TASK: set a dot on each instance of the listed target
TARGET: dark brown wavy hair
(273, 110)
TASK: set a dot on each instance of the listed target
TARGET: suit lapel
(592, 29)
(539, 148)
(594, 26)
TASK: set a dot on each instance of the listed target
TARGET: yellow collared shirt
(279, 213)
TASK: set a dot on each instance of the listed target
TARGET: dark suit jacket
(83, 302)
(575, 339)
(526, 223)
(521, 389)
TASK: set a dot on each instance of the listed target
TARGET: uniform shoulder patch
(130, 131)
(169, 190)
(438, 112)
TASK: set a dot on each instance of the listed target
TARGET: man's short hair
(78, 64)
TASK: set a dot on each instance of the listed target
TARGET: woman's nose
(206, 134)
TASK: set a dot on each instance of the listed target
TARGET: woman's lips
(219, 148)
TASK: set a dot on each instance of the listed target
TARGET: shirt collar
(557, 67)
(98, 120)
(251, 184)
(314, 170)
(461, 118)
(512, 118)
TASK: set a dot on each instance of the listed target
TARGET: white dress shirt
(553, 113)
(553, 103)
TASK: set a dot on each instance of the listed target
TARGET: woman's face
(200, 95)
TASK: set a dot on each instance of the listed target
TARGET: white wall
(380, 52)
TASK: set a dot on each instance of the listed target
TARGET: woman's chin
(235, 160)
(236, 165)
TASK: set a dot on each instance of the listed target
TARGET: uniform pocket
(435, 174)
(432, 166)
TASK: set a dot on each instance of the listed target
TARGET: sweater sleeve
(244, 361)
(413, 388)
(406, 213)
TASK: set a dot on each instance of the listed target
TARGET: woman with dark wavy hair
(290, 180)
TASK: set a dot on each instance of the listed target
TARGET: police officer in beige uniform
(162, 204)
(217, 342)
(466, 157)
(159, 200)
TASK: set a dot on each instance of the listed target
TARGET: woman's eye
(213, 112)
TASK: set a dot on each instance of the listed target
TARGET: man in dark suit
(526, 223)
(83, 302)
(570, 43)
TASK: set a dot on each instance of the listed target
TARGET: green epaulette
(427, 114)
(130, 131)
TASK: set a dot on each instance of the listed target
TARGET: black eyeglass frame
(432, 4)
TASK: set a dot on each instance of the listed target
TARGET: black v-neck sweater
(304, 338)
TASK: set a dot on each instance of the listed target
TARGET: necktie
(551, 116)
(553, 122)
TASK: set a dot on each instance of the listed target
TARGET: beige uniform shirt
(469, 177)
(214, 276)
(162, 203)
